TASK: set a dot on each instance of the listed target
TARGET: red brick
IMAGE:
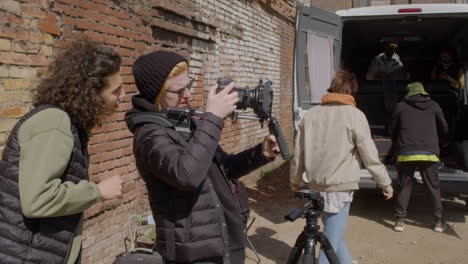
(95, 36)
(51, 18)
(83, 24)
(128, 61)
(33, 11)
(8, 32)
(110, 127)
(130, 88)
(104, 2)
(126, 24)
(112, 40)
(117, 116)
(35, 2)
(128, 53)
(14, 19)
(125, 70)
(87, 14)
(68, 21)
(66, 9)
(107, 29)
(110, 155)
(95, 209)
(119, 14)
(71, 2)
(51, 28)
(108, 165)
(14, 111)
(128, 79)
(23, 59)
(121, 134)
(107, 146)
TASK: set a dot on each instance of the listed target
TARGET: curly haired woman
(44, 185)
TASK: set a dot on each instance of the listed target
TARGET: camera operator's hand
(388, 195)
(110, 188)
(223, 103)
(294, 188)
(270, 147)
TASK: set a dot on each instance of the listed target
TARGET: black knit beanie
(151, 71)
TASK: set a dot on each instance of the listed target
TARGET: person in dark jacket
(44, 183)
(194, 194)
(417, 124)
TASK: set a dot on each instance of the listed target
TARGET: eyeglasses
(180, 92)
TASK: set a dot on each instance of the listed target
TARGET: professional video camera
(307, 240)
(260, 99)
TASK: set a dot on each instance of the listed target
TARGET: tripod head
(313, 207)
(307, 240)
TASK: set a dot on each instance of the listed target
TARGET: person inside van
(388, 68)
(417, 124)
(447, 69)
(331, 141)
(387, 65)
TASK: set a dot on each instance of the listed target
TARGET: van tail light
(409, 10)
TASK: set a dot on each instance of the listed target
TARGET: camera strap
(182, 126)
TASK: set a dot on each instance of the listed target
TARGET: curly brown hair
(75, 79)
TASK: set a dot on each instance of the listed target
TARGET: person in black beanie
(193, 189)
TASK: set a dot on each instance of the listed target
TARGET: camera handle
(275, 129)
(273, 126)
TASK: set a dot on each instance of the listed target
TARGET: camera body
(260, 98)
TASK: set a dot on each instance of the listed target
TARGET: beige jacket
(330, 142)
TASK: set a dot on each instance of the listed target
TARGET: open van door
(317, 55)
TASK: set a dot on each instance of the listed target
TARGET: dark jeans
(430, 179)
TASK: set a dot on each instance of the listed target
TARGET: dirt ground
(369, 235)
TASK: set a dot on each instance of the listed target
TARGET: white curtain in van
(321, 61)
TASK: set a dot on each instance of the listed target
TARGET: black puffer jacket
(190, 189)
(417, 124)
(36, 240)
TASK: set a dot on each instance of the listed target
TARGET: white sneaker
(355, 262)
(399, 225)
(440, 227)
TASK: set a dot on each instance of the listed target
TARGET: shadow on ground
(370, 205)
(271, 197)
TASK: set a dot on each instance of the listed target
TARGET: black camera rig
(260, 99)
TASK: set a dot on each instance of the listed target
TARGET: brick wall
(242, 39)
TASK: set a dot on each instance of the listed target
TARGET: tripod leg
(309, 251)
(328, 249)
(297, 249)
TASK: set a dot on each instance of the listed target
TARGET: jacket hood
(419, 101)
(140, 104)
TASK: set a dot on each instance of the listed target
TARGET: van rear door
(317, 55)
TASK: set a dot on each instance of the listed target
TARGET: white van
(350, 38)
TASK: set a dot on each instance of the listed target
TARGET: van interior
(420, 40)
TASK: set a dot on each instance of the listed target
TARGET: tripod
(307, 240)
